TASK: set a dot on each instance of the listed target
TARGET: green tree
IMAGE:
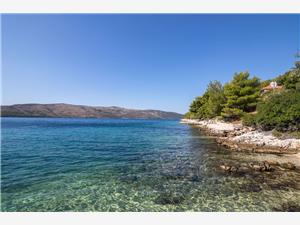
(198, 108)
(291, 79)
(216, 99)
(242, 95)
(280, 111)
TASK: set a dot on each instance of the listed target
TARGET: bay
(68, 164)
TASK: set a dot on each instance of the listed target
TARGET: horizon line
(112, 106)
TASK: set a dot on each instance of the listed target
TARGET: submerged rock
(243, 170)
(288, 207)
(289, 166)
(169, 199)
(233, 169)
(265, 166)
(278, 186)
(255, 167)
(251, 167)
(251, 188)
(174, 176)
(195, 178)
(129, 178)
(225, 167)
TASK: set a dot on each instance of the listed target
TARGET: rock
(267, 166)
(272, 163)
(288, 207)
(129, 178)
(233, 169)
(225, 167)
(230, 169)
(242, 138)
(289, 166)
(278, 186)
(195, 178)
(251, 188)
(262, 169)
(243, 169)
(169, 199)
(255, 167)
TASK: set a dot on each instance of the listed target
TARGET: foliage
(198, 108)
(286, 135)
(291, 79)
(209, 105)
(241, 94)
(216, 99)
(249, 120)
(265, 83)
(187, 115)
(280, 111)
(240, 98)
(277, 134)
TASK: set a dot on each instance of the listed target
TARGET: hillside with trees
(266, 105)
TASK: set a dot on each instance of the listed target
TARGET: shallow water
(131, 165)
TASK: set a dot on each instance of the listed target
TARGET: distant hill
(81, 111)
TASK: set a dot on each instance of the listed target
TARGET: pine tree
(198, 108)
(241, 94)
(291, 79)
(216, 99)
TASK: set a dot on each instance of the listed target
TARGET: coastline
(237, 137)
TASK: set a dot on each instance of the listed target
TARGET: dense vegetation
(242, 99)
(280, 111)
(242, 95)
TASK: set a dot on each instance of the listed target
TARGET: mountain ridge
(65, 110)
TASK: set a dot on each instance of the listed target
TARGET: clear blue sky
(138, 61)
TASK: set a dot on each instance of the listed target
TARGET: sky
(150, 61)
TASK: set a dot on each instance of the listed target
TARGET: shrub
(280, 111)
(187, 115)
(285, 135)
(291, 79)
(249, 120)
(277, 134)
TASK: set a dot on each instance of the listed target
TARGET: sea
(117, 165)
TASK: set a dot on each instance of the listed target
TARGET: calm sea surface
(52, 164)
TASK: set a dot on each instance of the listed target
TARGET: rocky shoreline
(237, 137)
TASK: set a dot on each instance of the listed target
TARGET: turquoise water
(52, 164)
